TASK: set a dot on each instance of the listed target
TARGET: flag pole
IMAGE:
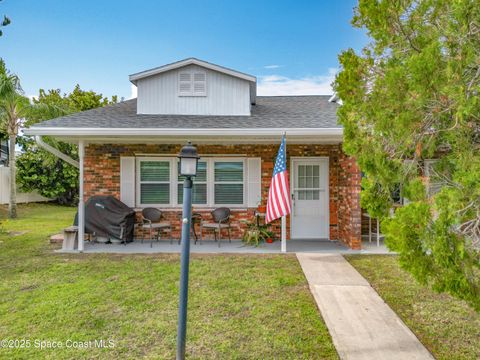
(284, 218)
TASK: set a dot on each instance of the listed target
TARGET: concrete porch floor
(236, 246)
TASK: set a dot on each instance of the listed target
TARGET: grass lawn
(446, 326)
(240, 306)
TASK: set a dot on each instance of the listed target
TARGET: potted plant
(265, 234)
(257, 233)
(262, 209)
(251, 237)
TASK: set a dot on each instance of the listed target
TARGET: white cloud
(274, 85)
(133, 92)
(274, 66)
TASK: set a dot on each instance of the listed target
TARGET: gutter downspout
(56, 152)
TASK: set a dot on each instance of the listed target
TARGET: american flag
(278, 204)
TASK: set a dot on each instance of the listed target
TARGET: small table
(196, 219)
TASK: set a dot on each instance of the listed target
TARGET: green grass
(448, 327)
(240, 306)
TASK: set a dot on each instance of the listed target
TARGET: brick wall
(349, 211)
(102, 177)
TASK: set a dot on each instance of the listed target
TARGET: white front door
(310, 213)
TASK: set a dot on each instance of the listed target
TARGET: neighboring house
(3, 152)
(130, 149)
(5, 181)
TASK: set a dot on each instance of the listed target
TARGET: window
(154, 182)
(219, 182)
(199, 190)
(396, 194)
(228, 183)
(308, 182)
(192, 83)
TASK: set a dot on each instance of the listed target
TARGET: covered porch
(324, 183)
(141, 171)
(235, 247)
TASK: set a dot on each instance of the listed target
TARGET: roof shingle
(313, 111)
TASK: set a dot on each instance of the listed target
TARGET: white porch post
(284, 234)
(81, 206)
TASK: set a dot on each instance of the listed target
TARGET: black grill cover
(106, 216)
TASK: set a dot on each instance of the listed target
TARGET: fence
(21, 196)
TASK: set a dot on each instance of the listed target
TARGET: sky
(291, 47)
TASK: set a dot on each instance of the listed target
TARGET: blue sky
(291, 46)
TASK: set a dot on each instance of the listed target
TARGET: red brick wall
(102, 177)
(349, 211)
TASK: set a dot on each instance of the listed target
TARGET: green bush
(410, 96)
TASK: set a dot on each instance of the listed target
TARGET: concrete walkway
(361, 324)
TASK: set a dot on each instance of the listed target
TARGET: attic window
(192, 83)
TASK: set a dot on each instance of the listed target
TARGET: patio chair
(221, 220)
(151, 221)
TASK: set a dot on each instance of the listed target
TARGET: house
(129, 150)
(3, 152)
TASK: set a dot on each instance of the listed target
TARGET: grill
(109, 219)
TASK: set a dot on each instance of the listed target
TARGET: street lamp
(188, 167)
(188, 160)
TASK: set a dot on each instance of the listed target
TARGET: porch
(236, 246)
(325, 185)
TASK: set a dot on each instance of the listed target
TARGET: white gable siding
(225, 95)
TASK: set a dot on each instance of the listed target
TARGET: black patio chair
(151, 220)
(221, 220)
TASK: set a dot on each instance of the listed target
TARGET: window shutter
(127, 180)
(199, 83)
(254, 181)
(192, 83)
(185, 83)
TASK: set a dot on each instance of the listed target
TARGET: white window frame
(138, 161)
(192, 83)
(210, 182)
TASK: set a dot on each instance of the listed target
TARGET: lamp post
(188, 167)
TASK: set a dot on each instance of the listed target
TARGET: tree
(13, 108)
(6, 21)
(38, 169)
(412, 95)
(77, 100)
